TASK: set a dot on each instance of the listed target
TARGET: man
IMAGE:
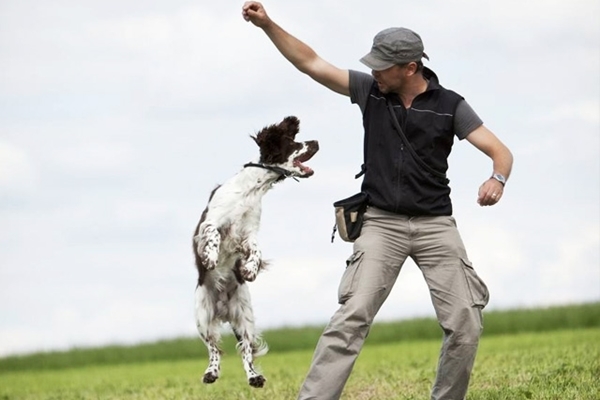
(409, 213)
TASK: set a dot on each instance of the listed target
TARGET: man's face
(391, 80)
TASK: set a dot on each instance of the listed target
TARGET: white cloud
(574, 275)
(17, 170)
(92, 157)
(587, 112)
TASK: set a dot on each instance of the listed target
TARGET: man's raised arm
(298, 53)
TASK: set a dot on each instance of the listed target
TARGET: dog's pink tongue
(303, 168)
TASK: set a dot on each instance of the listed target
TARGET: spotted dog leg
(214, 366)
(253, 260)
(209, 241)
(250, 344)
(208, 329)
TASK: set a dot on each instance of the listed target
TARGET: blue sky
(117, 119)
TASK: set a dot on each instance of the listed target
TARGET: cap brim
(375, 63)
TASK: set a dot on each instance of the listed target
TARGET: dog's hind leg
(208, 328)
(250, 344)
(208, 241)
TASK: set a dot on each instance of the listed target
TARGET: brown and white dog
(226, 249)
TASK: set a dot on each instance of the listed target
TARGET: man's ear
(411, 68)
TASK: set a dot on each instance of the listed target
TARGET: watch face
(499, 178)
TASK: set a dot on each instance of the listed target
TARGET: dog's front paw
(209, 258)
(249, 271)
(251, 266)
(257, 381)
(208, 242)
(209, 377)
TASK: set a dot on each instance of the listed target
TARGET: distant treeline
(292, 339)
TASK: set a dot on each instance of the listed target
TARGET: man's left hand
(490, 192)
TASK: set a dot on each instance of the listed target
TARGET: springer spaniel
(226, 250)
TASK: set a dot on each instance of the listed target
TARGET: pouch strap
(407, 144)
(363, 169)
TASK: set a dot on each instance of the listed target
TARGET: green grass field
(522, 356)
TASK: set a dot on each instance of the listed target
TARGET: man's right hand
(254, 12)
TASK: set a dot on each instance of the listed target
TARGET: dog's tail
(259, 346)
(201, 269)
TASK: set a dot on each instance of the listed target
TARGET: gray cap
(394, 46)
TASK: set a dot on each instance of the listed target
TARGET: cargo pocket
(478, 290)
(350, 277)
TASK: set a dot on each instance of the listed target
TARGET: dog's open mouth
(305, 171)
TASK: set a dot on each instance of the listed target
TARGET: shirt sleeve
(466, 120)
(360, 87)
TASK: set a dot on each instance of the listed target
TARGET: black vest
(393, 179)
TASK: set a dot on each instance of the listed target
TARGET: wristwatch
(500, 178)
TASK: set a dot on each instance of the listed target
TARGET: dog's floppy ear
(290, 125)
(271, 141)
(268, 137)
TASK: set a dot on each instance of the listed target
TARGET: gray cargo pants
(457, 293)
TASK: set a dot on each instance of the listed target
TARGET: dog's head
(279, 149)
